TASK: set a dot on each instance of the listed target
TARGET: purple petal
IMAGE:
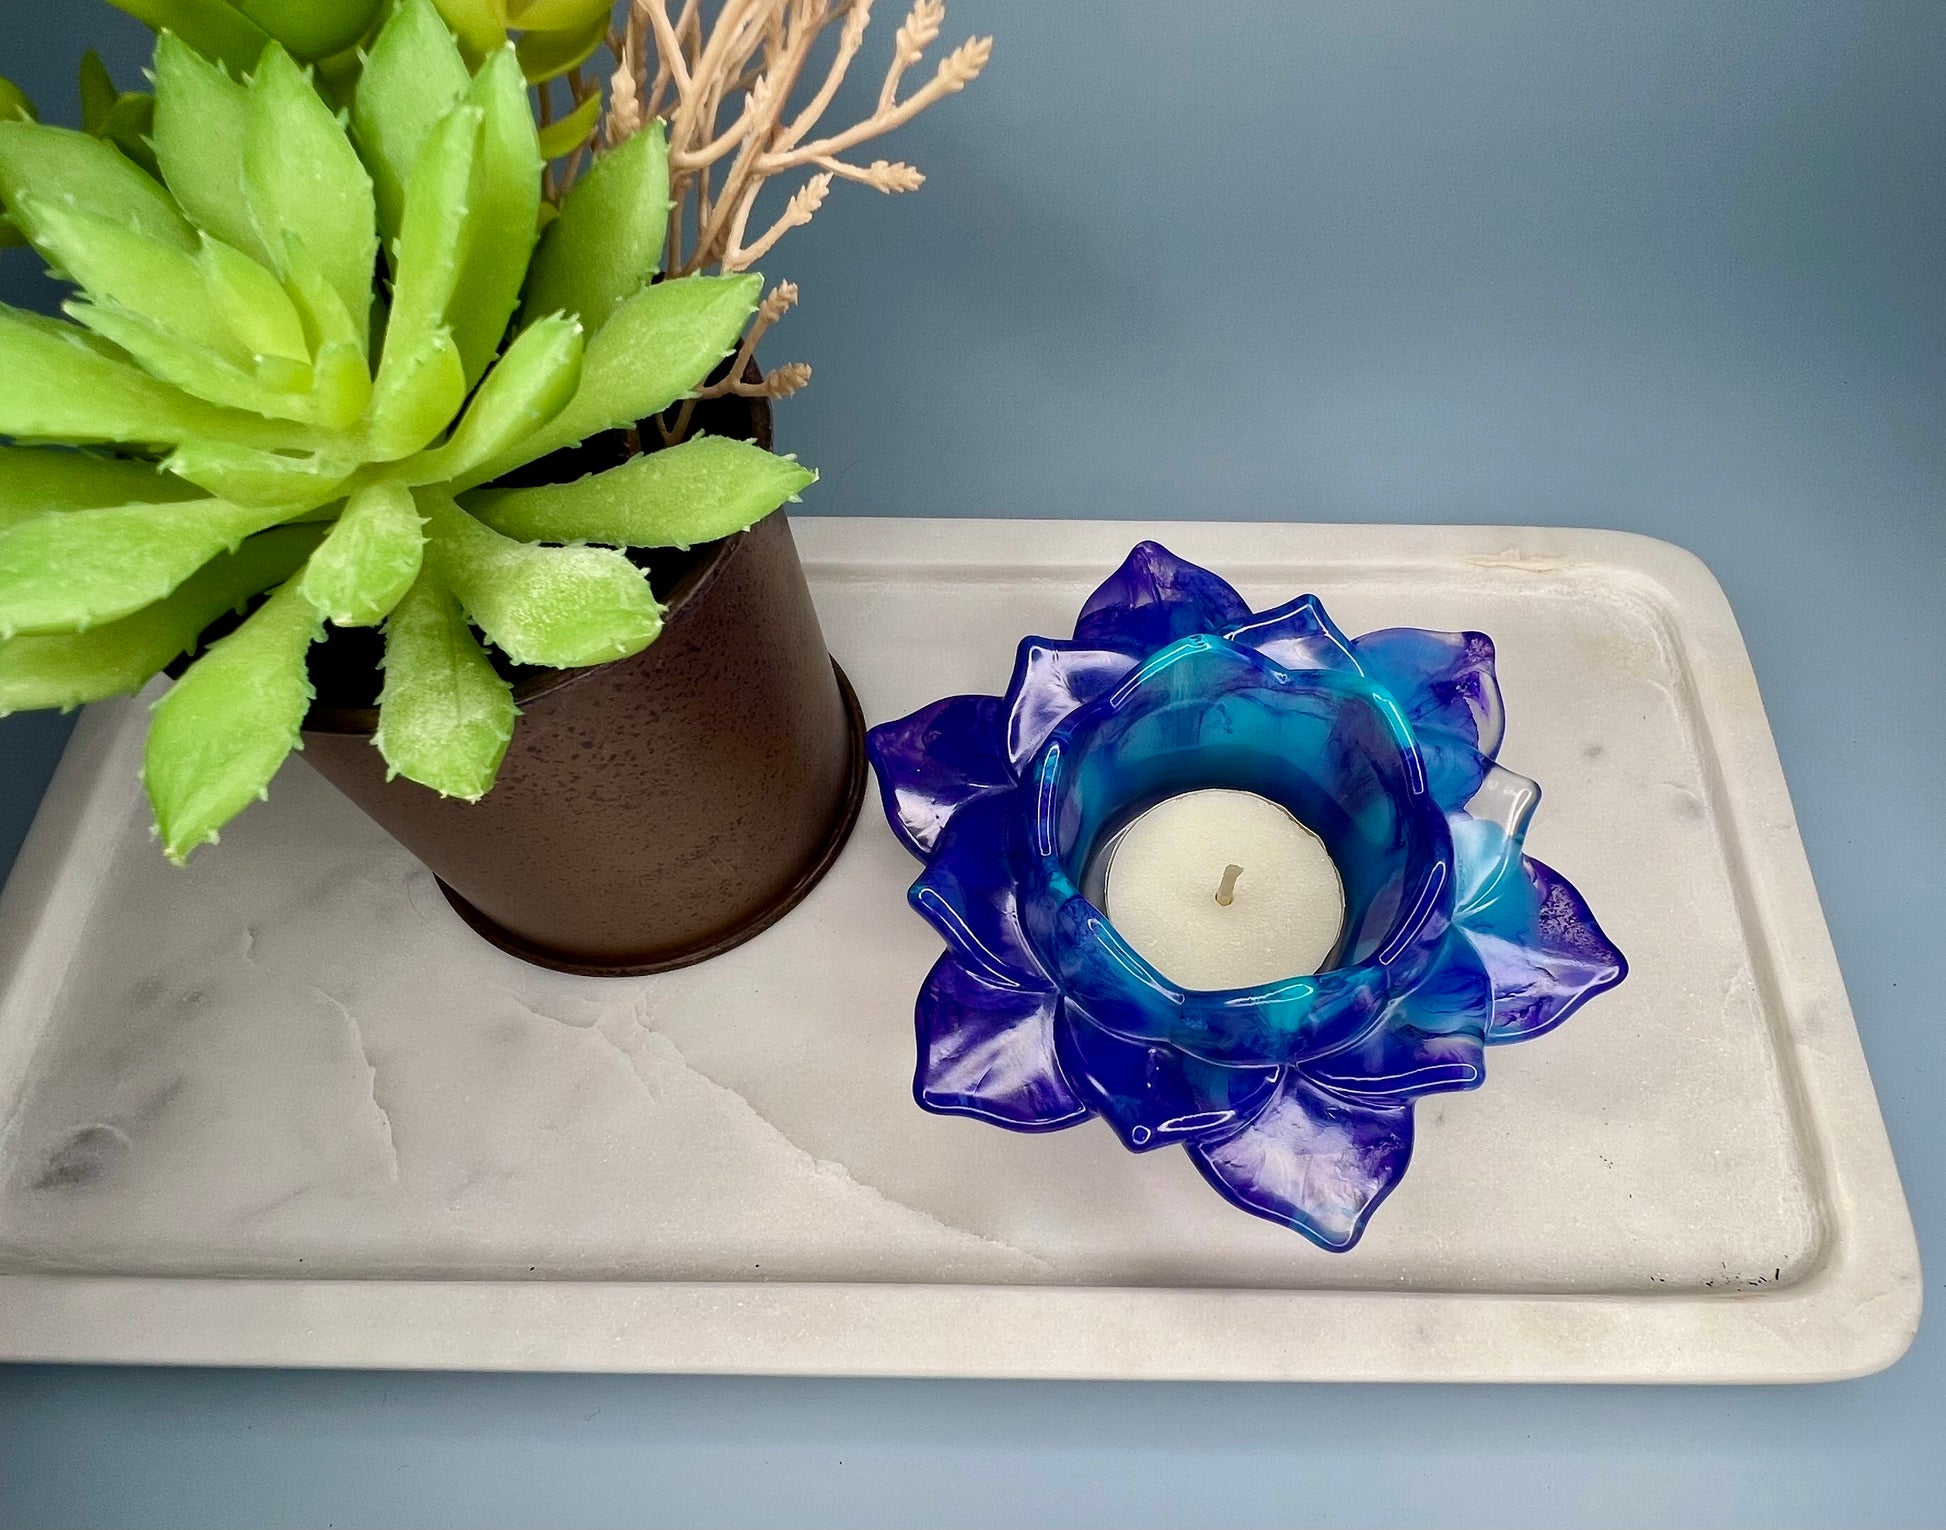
(1445, 683)
(1297, 636)
(1543, 951)
(1312, 1161)
(988, 1051)
(1432, 1039)
(1051, 680)
(1153, 1095)
(967, 892)
(935, 761)
(1153, 599)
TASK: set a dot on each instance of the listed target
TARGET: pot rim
(363, 721)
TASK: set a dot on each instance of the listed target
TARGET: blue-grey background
(1678, 268)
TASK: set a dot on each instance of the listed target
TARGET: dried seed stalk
(724, 82)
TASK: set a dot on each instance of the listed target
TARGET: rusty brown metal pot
(657, 810)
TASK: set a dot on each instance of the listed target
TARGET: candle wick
(1226, 894)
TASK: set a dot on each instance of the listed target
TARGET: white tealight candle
(1224, 889)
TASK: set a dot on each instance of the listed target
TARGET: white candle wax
(1167, 871)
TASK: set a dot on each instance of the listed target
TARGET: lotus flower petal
(967, 893)
(1543, 950)
(1312, 1161)
(1433, 1039)
(1154, 1095)
(1297, 635)
(1153, 599)
(935, 761)
(987, 1050)
(1445, 683)
(1050, 681)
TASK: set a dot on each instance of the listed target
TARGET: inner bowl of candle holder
(1327, 746)
(1294, 1097)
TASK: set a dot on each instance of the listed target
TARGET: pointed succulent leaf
(481, 25)
(252, 302)
(530, 384)
(505, 214)
(67, 572)
(699, 491)
(301, 176)
(549, 55)
(657, 346)
(412, 78)
(434, 236)
(218, 736)
(282, 374)
(214, 28)
(327, 321)
(124, 118)
(166, 355)
(98, 93)
(605, 245)
(312, 29)
(246, 476)
(415, 398)
(445, 714)
(130, 127)
(14, 102)
(558, 606)
(68, 669)
(369, 559)
(121, 269)
(68, 169)
(341, 385)
(56, 384)
(200, 113)
(564, 135)
(36, 479)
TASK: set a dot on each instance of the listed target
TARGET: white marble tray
(284, 1108)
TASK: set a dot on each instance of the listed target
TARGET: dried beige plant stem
(956, 71)
(720, 233)
(879, 175)
(624, 116)
(918, 32)
(797, 212)
(723, 75)
(672, 63)
(849, 40)
(777, 302)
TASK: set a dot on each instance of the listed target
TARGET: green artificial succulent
(241, 408)
(550, 38)
(237, 31)
(553, 35)
(124, 118)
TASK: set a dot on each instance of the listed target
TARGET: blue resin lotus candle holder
(1294, 1098)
